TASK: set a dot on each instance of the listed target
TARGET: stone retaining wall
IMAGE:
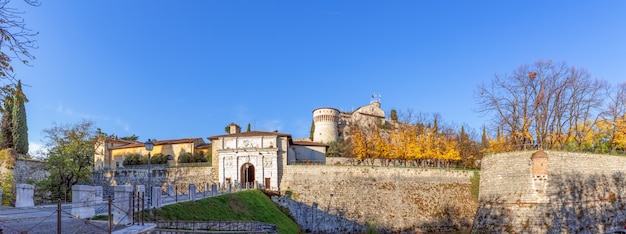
(324, 198)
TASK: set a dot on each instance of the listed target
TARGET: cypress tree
(6, 124)
(394, 115)
(312, 129)
(485, 139)
(20, 129)
(248, 130)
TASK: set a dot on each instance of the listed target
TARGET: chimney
(234, 128)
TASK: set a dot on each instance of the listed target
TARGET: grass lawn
(246, 205)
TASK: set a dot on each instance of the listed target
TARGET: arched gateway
(247, 175)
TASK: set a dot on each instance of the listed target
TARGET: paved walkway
(44, 218)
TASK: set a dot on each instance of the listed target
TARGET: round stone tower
(325, 120)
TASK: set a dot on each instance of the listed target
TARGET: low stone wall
(180, 177)
(581, 193)
(236, 226)
(331, 199)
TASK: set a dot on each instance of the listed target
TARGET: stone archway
(247, 175)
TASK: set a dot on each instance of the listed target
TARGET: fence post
(143, 201)
(59, 216)
(110, 215)
(132, 208)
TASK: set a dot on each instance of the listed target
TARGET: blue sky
(176, 69)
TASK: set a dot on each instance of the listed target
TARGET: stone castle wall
(27, 171)
(333, 199)
(582, 193)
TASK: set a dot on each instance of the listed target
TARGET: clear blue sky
(176, 69)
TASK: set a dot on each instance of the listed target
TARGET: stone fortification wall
(180, 177)
(581, 193)
(333, 199)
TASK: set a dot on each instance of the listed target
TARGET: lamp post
(149, 147)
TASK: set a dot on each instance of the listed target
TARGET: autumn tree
(70, 157)
(540, 104)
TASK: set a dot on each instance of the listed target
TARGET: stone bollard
(214, 190)
(170, 190)
(122, 212)
(24, 195)
(83, 201)
(192, 192)
(156, 197)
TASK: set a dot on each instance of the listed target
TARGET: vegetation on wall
(192, 158)
(7, 180)
(138, 159)
(475, 187)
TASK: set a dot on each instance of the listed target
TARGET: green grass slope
(245, 205)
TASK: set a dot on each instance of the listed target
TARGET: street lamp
(149, 147)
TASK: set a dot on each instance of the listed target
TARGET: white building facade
(257, 158)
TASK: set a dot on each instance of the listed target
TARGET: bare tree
(615, 111)
(15, 39)
(540, 104)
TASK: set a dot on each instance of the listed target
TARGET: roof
(117, 140)
(309, 143)
(251, 134)
(539, 154)
(203, 146)
(162, 142)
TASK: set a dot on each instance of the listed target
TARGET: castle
(331, 124)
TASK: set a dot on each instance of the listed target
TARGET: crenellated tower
(325, 120)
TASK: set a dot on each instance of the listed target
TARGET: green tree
(20, 128)
(70, 156)
(312, 130)
(339, 148)
(16, 39)
(130, 138)
(248, 130)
